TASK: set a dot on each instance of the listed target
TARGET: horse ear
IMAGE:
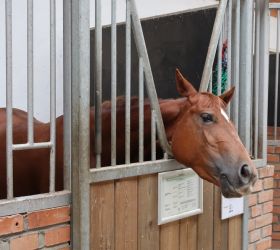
(184, 87)
(227, 96)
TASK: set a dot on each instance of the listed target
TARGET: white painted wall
(146, 8)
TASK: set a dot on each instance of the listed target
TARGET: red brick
(276, 193)
(11, 224)
(25, 242)
(48, 217)
(271, 158)
(263, 220)
(252, 200)
(277, 150)
(266, 171)
(258, 186)
(254, 235)
(268, 183)
(266, 231)
(276, 167)
(251, 224)
(270, 149)
(251, 247)
(275, 219)
(264, 244)
(267, 207)
(57, 236)
(276, 236)
(275, 244)
(276, 210)
(276, 227)
(256, 210)
(265, 196)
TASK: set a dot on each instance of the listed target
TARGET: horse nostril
(245, 172)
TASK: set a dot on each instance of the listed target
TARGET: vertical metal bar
(113, 82)
(30, 70)
(98, 83)
(67, 135)
(210, 87)
(276, 77)
(52, 92)
(264, 76)
(141, 111)
(153, 135)
(246, 42)
(80, 124)
(127, 81)
(213, 45)
(9, 99)
(236, 60)
(256, 79)
(229, 50)
(150, 85)
(219, 73)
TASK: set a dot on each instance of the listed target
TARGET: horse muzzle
(239, 184)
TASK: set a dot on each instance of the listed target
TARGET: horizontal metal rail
(32, 203)
(32, 146)
(274, 5)
(133, 169)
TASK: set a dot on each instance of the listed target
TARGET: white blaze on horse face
(224, 114)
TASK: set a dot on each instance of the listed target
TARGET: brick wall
(273, 156)
(44, 229)
(261, 208)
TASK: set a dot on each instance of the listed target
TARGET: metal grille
(274, 136)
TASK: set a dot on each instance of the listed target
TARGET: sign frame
(188, 173)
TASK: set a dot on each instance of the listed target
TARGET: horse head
(206, 140)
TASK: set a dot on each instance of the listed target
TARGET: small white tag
(224, 114)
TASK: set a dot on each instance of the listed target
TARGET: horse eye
(207, 118)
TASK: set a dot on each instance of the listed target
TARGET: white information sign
(232, 207)
(180, 195)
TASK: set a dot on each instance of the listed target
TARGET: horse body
(200, 134)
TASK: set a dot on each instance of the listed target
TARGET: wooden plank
(205, 220)
(148, 230)
(188, 233)
(126, 214)
(235, 233)
(102, 216)
(220, 226)
(170, 236)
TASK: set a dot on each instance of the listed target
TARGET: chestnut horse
(201, 136)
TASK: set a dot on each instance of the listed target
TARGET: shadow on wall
(172, 41)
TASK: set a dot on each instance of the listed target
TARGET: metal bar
(274, 5)
(219, 73)
(9, 99)
(141, 111)
(150, 85)
(98, 83)
(213, 45)
(30, 71)
(113, 82)
(264, 76)
(153, 135)
(273, 142)
(67, 135)
(33, 203)
(210, 86)
(80, 122)
(246, 42)
(52, 92)
(276, 77)
(127, 81)
(133, 169)
(256, 80)
(236, 60)
(229, 51)
(32, 145)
